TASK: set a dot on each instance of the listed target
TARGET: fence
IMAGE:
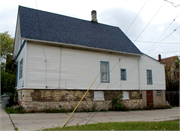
(172, 97)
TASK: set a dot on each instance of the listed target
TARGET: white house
(58, 57)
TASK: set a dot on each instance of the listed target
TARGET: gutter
(73, 45)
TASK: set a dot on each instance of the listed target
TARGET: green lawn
(162, 125)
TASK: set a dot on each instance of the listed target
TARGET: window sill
(98, 100)
(125, 98)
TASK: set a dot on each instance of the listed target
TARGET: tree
(6, 44)
(172, 76)
(7, 71)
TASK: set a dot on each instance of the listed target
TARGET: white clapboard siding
(76, 69)
(17, 38)
(158, 74)
(22, 55)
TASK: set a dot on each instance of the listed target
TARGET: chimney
(159, 58)
(93, 15)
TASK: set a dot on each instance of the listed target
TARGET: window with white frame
(98, 95)
(158, 93)
(123, 74)
(125, 94)
(21, 69)
(105, 75)
(149, 77)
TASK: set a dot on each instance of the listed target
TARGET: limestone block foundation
(40, 99)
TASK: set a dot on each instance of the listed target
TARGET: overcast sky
(156, 21)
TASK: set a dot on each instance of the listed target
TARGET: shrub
(117, 103)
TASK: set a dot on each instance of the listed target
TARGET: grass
(10, 110)
(162, 125)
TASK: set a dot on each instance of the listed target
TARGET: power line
(131, 45)
(136, 17)
(164, 32)
(163, 52)
(149, 22)
(173, 4)
(141, 41)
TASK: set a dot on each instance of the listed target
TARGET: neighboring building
(169, 61)
(58, 57)
(172, 72)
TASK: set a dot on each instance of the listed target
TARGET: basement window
(125, 95)
(98, 95)
(158, 93)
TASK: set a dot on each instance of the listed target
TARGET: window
(125, 94)
(158, 93)
(98, 95)
(20, 68)
(16, 74)
(149, 77)
(105, 76)
(123, 74)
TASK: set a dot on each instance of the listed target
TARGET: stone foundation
(40, 99)
(133, 104)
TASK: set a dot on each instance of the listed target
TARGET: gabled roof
(41, 25)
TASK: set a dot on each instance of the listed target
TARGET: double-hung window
(149, 77)
(20, 68)
(123, 74)
(105, 74)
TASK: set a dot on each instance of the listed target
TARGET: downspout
(139, 73)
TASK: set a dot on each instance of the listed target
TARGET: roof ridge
(66, 16)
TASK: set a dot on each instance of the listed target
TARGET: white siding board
(21, 81)
(79, 68)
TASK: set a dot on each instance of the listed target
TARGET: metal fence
(172, 97)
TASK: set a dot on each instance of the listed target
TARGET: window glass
(20, 68)
(158, 93)
(123, 74)
(105, 72)
(149, 77)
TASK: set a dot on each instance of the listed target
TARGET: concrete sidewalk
(5, 123)
(35, 121)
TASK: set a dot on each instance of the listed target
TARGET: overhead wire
(163, 39)
(136, 38)
(136, 16)
(164, 32)
(173, 4)
(149, 22)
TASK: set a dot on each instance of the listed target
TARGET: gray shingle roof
(41, 25)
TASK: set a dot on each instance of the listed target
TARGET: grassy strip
(11, 110)
(13, 123)
(162, 125)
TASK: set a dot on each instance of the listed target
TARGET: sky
(152, 25)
